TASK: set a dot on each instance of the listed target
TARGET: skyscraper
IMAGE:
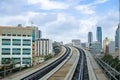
(39, 34)
(90, 37)
(117, 37)
(99, 35)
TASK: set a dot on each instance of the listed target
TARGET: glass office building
(99, 35)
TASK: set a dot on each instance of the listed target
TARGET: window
(14, 32)
(23, 32)
(29, 33)
(16, 60)
(9, 32)
(3, 34)
(16, 51)
(26, 60)
(19, 32)
(16, 42)
(6, 60)
(3, 31)
(26, 51)
(6, 41)
(14, 35)
(26, 42)
(5, 51)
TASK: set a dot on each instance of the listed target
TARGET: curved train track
(40, 73)
(81, 72)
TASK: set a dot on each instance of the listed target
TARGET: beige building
(106, 43)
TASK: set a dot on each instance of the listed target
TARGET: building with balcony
(44, 47)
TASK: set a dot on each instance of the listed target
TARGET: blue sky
(62, 20)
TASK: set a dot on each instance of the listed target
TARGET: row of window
(8, 53)
(16, 39)
(16, 51)
(17, 60)
(16, 42)
(16, 35)
(14, 32)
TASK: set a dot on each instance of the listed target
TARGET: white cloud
(18, 19)
(64, 26)
(85, 9)
(100, 1)
(48, 5)
(89, 8)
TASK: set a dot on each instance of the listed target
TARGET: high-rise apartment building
(90, 37)
(99, 34)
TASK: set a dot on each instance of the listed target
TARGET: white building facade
(44, 47)
(111, 47)
(16, 45)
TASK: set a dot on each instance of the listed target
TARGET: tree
(46, 57)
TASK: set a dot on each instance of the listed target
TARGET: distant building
(44, 47)
(40, 34)
(76, 42)
(117, 38)
(95, 48)
(84, 45)
(111, 46)
(90, 37)
(106, 42)
(99, 35)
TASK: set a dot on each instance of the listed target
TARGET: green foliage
(46, 57)
(114, 62)
(107, 57)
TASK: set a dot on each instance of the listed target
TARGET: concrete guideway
(67, 69)
(26, 72)
(45, 70)
(95, 72)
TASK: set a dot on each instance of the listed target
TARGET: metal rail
(81, 72)
(111, 72)
(40, 73)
